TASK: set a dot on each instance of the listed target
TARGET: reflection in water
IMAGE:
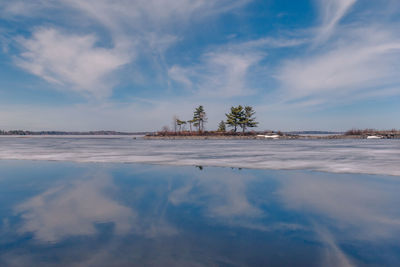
(363, 209)
(74, 209)
(221, 195)
(333, 255)
(150, 215)
(366, 208)
(199, 167)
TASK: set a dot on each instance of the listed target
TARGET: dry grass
(372, 132)
(212, 133)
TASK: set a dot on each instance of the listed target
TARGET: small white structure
(269, 136)
(374, 137)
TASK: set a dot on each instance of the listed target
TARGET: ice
(339, 156)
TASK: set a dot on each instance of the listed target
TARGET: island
(242, 117)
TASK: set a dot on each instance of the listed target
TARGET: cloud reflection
(333, 255)
(74, 209)
(222, 194)
(364, 207)
(173, 215)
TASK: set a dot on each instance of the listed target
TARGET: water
(84, 201)
(339, 156)
(97, 214)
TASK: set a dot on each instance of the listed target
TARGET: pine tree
(190, 123)
(235, 117)
(221, 127)
(199, 118)
(248, 119)
(180, 123)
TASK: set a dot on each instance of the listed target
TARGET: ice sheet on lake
(342, 156)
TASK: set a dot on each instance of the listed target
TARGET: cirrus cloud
(363, 61)
(72, 61)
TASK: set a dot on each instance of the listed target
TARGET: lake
(339, 156)
(123, 202)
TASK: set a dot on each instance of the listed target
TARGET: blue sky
(131, 65)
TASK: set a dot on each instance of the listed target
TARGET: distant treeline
(372, 132)
(22, 132)
(314, 132)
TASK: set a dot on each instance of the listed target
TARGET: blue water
(115, 214)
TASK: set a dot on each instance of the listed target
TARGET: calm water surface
(115, 214)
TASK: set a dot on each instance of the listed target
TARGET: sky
(131, 65)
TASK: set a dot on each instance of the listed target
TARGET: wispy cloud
(220, 74)
(331, 12)
(151, 14)
(343, 62)
(364, 60)
(24, 8)
(76, 60)
(223, 71)
(71, 61)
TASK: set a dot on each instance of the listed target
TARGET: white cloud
(224, 70)
(226, 74)
(24, 8)
(123, 9)
(221, 73)
(331, 11)
(71, 61)
(154, 14)
(76, 61)
(181, 75)
(155, 21)
(266, 43)
(363, 62)
(357, 63)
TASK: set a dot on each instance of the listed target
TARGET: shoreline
(284, 137)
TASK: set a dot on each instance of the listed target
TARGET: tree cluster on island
(238, 117)
(242, 117)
